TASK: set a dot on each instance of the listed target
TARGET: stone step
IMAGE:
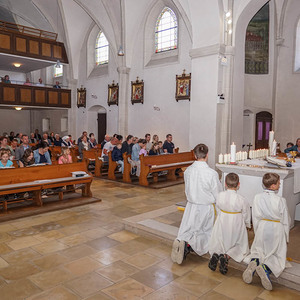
(146, 225)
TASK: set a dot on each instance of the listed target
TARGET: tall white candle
(221, 158)
(271, 139)
(274, 146)
(233, 153)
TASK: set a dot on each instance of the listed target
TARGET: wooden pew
(127, 168)
(169, 162)
(74, 154)
(55, 153)
(112, 165)
(37, 178)
(94, 155)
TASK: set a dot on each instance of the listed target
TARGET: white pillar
(123, 100)
(204, 92)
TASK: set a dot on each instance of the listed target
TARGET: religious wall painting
(113, 94)
(183, 87)
(137, 91)
(81, 97)
(257, 43)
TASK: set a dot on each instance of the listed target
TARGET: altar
(251, 173)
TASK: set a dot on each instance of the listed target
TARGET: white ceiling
(27, 64)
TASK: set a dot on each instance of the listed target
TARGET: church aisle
(85, 253)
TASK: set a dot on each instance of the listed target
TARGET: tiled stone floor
(85, 253)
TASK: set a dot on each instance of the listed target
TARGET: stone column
(123, 100)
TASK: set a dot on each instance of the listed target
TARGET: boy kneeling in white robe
(229, 238)
(202, 186)
(271, 223)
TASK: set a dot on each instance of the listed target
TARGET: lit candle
(221, 158)
(233, 153)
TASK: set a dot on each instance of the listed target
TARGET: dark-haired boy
(229, 238)
(202, 186)
(271, 224)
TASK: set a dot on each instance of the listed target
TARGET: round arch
(238, 83)
(97, 122)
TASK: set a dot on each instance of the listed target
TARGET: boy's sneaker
(249, 272)
(177, 254)
(223, 267)
(264, 273)
(213, 262)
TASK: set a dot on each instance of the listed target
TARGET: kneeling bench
(37, 178)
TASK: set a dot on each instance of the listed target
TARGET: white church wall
(54, 116)
(15, 77)
(159, 91)
(97, 91)
(287, 111)
(13, 120)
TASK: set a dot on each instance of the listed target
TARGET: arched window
(297, 52)
(166, 31)
(257, 43)
(101, 49)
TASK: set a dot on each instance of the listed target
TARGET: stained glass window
(58, 71)
(101, 49)
(257, 43)
(166, 31)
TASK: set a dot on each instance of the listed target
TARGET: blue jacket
(135, 154)
(116, 154)
(36, 156)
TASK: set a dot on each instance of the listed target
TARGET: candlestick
(233, 153)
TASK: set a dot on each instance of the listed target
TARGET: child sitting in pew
(229, 238)
(117, 156)
(271, 224)
(65, 157)
(4, 159)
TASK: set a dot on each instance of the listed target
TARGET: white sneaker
(249, 272)
(177, 253)
(264, 277)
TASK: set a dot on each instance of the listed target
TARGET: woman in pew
(155, 139)
(27, 159)
(41, 155)
(65, 157)
(4, 159)
(154, 149)
(83, 145)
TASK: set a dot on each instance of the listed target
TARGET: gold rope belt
(271, 220)
(230, 212)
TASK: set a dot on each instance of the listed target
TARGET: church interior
(218, 72)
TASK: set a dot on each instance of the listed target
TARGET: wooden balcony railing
(30, 42)
(42, 34)
(24, 95)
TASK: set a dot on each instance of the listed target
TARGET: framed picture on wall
(137, 91)
(183, 87)
(81, 97)
(113, 94)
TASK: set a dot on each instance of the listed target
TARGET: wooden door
(263, 127)
(101, 127)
